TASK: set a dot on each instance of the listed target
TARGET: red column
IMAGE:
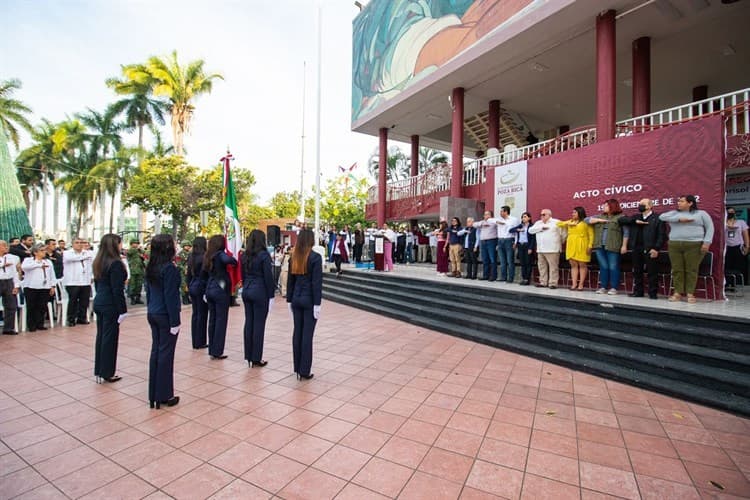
(457, 143)
(605, 76)
(382, 177)
(642, 76)
(493, 137)
(414, 155)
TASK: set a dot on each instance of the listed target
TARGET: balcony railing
(734, 105)
(475, 171)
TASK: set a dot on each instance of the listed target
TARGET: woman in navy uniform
(109, 305)
(218, 293)
(197, 289)
(38, 286)
(163, 297)
(304, 293)
(258, 290)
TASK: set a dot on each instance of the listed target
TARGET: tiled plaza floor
(394, 410)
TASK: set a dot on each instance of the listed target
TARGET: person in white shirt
(433, 244)
(38, 285)
(389, 236)
(548, 246)
(505, 241)
(77, 281)
(488, 245)
(10, 284)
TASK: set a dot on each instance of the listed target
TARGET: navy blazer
(196, 285)
(219, 276)
(163, 297)
(531, 237)
(110, 288)
(257, 278)
(306, 290)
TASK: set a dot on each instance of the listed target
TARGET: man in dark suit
(647, 237)
(23, 249)
(471, 248)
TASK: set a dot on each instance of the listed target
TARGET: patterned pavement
(394, 410)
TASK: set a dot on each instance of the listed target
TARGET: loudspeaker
(273, 235)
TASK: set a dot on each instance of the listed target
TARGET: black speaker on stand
(273, 235)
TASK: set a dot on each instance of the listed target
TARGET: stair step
(708, 396)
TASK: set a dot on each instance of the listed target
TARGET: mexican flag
(232, 229)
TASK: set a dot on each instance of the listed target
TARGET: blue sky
(63, 50)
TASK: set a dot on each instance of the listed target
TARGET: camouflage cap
(134, 241)
(186, 243)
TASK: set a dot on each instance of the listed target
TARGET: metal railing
(738, 121)
(475, 171)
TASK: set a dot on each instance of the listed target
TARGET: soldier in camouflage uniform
(181, 261)
(136, 263)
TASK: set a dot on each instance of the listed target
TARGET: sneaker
(612, 291)
(601, 291)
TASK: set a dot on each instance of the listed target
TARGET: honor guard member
(137, 266)
(181, 261)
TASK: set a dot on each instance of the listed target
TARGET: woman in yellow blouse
(578, 246)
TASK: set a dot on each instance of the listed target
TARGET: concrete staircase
(694, 357)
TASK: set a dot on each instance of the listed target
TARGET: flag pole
(317, 132)
(302, 152)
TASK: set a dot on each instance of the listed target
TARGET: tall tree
(139, 108)
(429, 157)
(398, 164)
(343, 201)
(114, 174)
(12, 111)
(180, 84)
(38, 162)
(103, 135)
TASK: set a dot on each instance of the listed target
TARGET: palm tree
(159, 147)
(37, 163)
(180, 84)
(139, 108)
(104, 134)
(429, 157)
(398, 165)
(114, 174)
(12, 111)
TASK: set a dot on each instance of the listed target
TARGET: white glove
(205, 299)
(270, 305)
(316, 312)
(289, 306)
(121, 318)
(174, 330)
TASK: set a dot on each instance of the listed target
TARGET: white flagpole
(317, 140)
(302, 153)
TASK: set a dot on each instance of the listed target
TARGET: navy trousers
(507, 259)
(107, 336)
(161, 362)
(489, 259)
(78, 303)
(256, 312)
(218, 313)
(199, 321)
(302, 339)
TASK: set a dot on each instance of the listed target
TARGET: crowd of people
(203, 272)
(499, 243)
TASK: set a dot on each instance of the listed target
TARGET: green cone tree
(14, 220)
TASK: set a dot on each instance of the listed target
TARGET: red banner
(661, 165)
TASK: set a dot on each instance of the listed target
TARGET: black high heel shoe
(169, 402)
(113, 379)
(306, 377)
(257, 363)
